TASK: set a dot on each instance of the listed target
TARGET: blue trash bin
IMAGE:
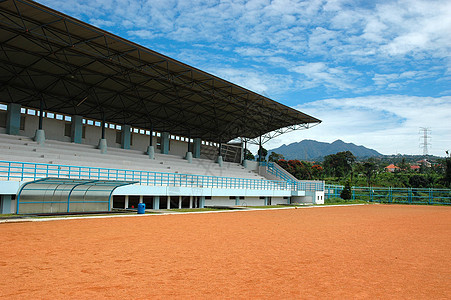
(141, 208)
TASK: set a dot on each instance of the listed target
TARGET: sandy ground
(373, 251)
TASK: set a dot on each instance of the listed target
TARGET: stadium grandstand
(90, 121)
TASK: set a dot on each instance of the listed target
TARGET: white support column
(202, 202)
(191, 201)
(156, 202)
(126, 202)
(180, 202)
(6, 204)
(169, 202)
(141, 199)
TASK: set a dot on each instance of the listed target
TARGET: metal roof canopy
(57, 195)
(78, 69)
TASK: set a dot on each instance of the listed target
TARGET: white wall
(54, 130)
(252, 201)
(219, 201)
(279, 200)
(225, 201)
(310, 197)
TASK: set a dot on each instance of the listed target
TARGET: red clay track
(373, 251)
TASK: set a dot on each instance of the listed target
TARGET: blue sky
(373, 71)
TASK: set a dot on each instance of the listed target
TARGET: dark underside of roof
(77, 69)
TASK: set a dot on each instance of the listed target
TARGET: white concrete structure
(59, 150)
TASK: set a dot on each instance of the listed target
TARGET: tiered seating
(24, 149)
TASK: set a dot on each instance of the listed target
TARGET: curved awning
(78, 69)
(60, 195)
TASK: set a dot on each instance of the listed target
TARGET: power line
(425, 133)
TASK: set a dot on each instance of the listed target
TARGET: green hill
(314, 150)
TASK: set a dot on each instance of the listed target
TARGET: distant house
(391, 168)
(425, 163)
(415, 168)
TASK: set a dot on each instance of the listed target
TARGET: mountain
(313, 150)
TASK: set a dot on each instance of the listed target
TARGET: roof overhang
(78, 69)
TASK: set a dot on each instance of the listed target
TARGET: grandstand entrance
(60, 195)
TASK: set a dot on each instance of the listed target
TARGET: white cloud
(398, 80)
(144, 34)
(319, 74)
(388, 124)
(258, 82)
(344, 46)
(393, 27)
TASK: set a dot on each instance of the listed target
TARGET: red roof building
(415, 168)
(391, 168)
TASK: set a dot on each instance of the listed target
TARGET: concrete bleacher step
(93, 149)
(17, 148)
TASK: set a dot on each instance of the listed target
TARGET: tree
(369, 169)
(346, 193)
(263, 154)
(300, 169)
(418, 181)
(317, 172)
(447, 177)
(403, 165)
(275, 157)
(339, 164)
(248, 155)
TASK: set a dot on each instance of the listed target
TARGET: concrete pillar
(151, 152)
(76, 130)
(125, 136)
(245, 163)
(126, 202)
(189, 157)
(169, 202)
(190, 201)
(102, 146)
(6, 204)
(180, 202)
(196, 147)
(156, 202)
(13, 119)
(141, 198)
(220, 161)
(242, 152)
(202, 202)
(164, 142)
(39, 136)
(237, 200)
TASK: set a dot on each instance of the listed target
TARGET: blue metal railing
(12, 170)
(273, 170)
(393, 195)
(298, 185)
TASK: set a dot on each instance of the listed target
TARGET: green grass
(195, 209)
(333, 201)
(7, 215)
(272, 206)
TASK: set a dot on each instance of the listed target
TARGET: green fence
(393, 195)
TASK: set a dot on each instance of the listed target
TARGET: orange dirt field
(371, 251)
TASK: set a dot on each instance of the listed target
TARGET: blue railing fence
(302, 185)
(393, 195)
(13, 170)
